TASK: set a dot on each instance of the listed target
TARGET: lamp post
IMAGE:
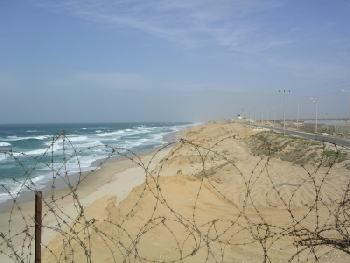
(284, 92)
(315, 100)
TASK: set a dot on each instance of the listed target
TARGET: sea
(36, 152)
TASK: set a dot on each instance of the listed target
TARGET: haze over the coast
(100, 61)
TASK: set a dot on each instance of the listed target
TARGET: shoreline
(115, 178)
(61, 182)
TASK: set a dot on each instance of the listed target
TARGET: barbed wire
(313, 223)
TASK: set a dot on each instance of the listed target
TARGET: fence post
(38, 218)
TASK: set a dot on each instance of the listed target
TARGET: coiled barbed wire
(312, 234)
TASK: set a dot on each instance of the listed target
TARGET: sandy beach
(223, 193)
(114, 179)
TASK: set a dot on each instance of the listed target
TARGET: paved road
(311, 136)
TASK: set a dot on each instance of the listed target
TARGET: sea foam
(13, 138)
(5, 144)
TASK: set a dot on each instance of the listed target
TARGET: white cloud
(190, 23)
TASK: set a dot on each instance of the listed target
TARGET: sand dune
(210, 198)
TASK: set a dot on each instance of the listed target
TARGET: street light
(315, 100)
(284, 92)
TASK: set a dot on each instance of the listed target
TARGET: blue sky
(136, 60)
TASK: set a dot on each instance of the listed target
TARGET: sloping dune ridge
(213, 198)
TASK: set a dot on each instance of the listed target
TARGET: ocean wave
(111, 134)
(27, 153)
(70, 138)
(131, 144)
(13, 138)
(2, 157)
(127, 132)
(5, 144)
(29, 131)
(90, 144)
(73, 166)
(41, 151)
(77, 144)
(20, 186)
(37, 152)
(140, 130)
(81, 141)
(87, 147)
(77, 138)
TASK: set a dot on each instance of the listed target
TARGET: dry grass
(294, 149)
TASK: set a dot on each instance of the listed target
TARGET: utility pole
(284, 92)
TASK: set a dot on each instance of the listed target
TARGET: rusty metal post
(38, 218)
